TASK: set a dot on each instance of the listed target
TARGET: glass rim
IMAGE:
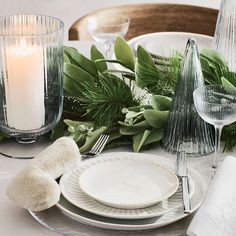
(61, 27)
(214, 85)
(110, 15)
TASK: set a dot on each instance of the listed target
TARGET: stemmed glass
(105, 28)
(216, 104)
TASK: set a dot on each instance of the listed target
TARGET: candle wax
(25, 108)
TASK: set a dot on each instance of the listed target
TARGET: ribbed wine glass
(105, 28)
(216, 104)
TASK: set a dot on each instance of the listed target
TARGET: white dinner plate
(140, 224)
(128, 184)
(71, 190)
(165, 43)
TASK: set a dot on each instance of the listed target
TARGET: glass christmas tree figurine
(186, 130)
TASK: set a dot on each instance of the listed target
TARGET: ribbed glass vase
(225, 34)
(186, 131)
(31, 83)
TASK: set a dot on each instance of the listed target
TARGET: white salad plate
(71, 190)
(128, 184)
(165, 43)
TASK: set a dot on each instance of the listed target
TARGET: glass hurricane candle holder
(31, 83)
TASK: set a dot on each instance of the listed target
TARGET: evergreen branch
(107, 98)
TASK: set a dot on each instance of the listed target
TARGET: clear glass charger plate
(79, 220)
(12, 149)
(72, 191)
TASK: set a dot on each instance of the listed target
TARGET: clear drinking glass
(31, 83)
(105, 28)
(216, 104)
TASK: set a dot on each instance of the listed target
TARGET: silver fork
(97, 147)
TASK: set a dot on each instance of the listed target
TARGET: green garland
(98, 99)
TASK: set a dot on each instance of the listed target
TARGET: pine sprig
(157, 75)
(107, 98)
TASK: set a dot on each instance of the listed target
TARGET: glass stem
(218, 130)
(107, 46)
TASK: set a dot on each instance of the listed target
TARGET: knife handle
(186, 199)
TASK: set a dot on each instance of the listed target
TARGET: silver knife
(182, 172)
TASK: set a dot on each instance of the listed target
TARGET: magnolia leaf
(133, 114)
(91, 140)
(144, 58)
(112, 61)
(139, 139)
(78, 74)
(226, 83)
(156, 119)
(213, 56)
(81, 61)
(139, 108)
(161, 103)
(75, 79)
(97, 55)
(145, 76)
(154, 136)
(124, 53)
(146, 137)
(134, 129)
(66, 58)
(73, 88)
(75, 124)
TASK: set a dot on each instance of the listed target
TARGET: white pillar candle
(25, 108)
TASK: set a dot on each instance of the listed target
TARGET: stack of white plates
(127, 191)
(165, 43)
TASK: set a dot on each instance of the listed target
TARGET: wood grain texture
(148, 18)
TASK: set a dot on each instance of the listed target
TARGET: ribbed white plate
(128, 184)
(71, 190)
(57, 222)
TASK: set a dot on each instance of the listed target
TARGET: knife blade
(182, 172)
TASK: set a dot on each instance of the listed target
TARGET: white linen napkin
(217, 215)
(35, 187)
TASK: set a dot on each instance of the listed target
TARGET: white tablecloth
(17, 221)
